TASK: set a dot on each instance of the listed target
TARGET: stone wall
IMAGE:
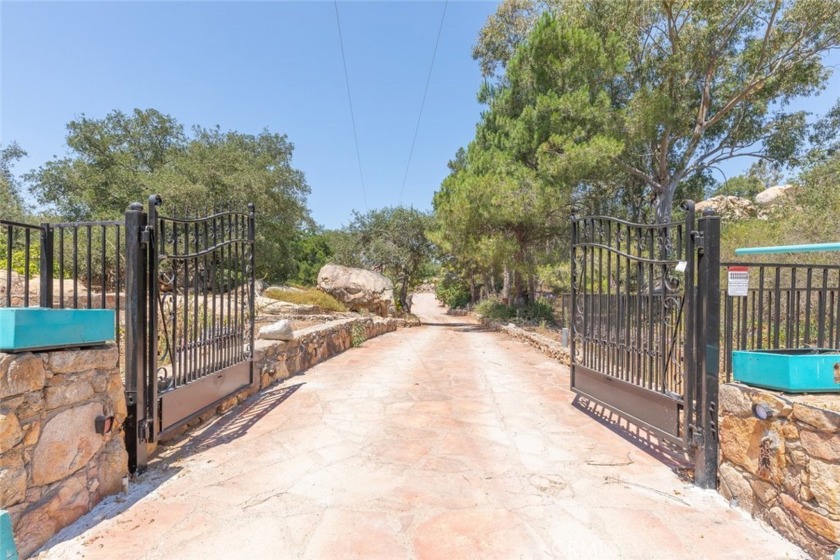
(276, 360)
(786, 469)
(53, 465)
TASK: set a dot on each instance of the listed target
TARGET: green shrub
(539, 311)
(357, 335)
(305, 296)
(452, 292)
(19, 261)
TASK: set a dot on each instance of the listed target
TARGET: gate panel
(201, 310)
(632, 320)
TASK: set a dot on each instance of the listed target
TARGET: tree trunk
(520, 286)
(490, 282)
(506, 286)
(665, 203)
(405, 301)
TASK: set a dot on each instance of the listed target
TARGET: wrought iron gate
(189, 317)
(645, 323)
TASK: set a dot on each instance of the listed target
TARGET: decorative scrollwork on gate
(628, 299)
(205, 279)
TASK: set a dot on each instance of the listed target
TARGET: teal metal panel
(813, 248)
(7, 541)
(35, 328)
(794, 370)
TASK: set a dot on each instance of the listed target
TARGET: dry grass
(306, 296)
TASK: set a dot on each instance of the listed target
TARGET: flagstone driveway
(443, 441)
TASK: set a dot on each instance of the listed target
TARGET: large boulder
(729, 207)
(358, 289)
(19, 286)
(774, 195)
(281, 330)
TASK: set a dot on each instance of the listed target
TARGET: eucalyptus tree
(702, 82)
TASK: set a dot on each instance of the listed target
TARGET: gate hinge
(699, 240)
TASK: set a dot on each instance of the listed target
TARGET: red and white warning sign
(738, 283)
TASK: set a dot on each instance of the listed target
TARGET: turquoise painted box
(36, 328)
(7, 541)
(797, 370)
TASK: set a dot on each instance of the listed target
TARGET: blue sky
(247, 66)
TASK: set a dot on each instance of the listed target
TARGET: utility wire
(350, 102)
(423, 104)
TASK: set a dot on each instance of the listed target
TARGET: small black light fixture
(761, 411)
(103, 424)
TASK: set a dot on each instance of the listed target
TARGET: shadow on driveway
(668, 454)
(218, 431)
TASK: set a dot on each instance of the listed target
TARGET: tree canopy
(622, 108)
(11, 202)
(391, 241)
(700, 82)
(123, 158)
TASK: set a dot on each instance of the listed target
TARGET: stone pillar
(784, 469)
(53, 465)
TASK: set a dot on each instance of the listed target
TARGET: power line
(423, 104)
(350, 102)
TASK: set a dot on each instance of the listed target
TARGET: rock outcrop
(359, 290)
(728, 207)
(774, 195)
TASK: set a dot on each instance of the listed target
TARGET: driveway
(443, 441)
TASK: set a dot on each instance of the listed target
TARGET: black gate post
(46, 265)
(136, 308)
(151, 327)
(708, 351)
(691, 326)
(252, 262)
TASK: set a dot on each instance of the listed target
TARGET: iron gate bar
(12, 231)
(705, 433)
(623, 303)
(206, 262)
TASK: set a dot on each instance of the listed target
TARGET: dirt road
(444, 441)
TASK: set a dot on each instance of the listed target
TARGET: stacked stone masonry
(785, 469)
(53, 465)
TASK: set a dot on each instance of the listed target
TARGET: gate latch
(699, 240)
(145, 429)
(146, 235)
(697, 436)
